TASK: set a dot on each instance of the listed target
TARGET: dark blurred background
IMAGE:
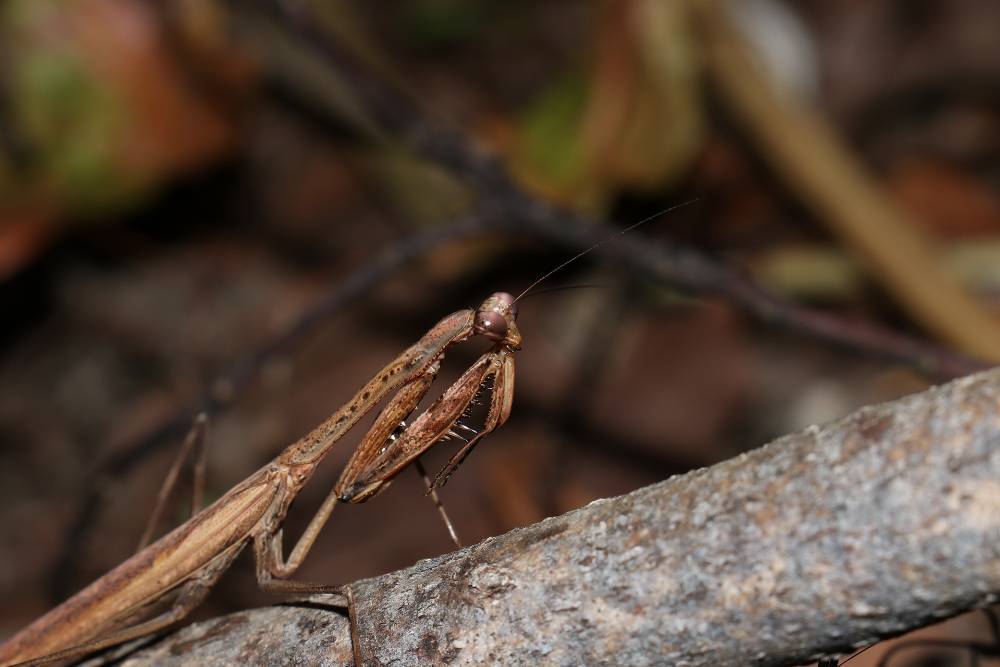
(186, 188)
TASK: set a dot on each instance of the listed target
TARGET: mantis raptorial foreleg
(387, 448)
(501, 399)
(388, 436)
(362, 479)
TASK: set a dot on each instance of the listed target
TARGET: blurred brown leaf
(945, 199)
(103, 107)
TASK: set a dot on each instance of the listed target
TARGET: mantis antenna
(597, 245)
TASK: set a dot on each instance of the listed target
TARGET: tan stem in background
(807, 153)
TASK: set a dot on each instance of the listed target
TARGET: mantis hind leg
(194, 441)
(273, 571)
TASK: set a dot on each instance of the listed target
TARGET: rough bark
(880, 522)
(311, 634)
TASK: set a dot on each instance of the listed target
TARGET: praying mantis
(177, 571)
(163, 582)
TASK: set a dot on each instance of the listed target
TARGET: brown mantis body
(162, 583)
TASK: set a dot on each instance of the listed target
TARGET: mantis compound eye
(494, 317)
(491, 324)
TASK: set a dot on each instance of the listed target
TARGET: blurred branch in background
(400, 117)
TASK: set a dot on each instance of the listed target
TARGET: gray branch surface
(833, 537)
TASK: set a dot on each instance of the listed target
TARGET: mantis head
(495, 319)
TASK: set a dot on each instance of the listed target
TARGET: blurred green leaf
(550, 148)
(66, 116)
(436, 23)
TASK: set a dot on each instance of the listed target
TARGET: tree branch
(833, 537)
